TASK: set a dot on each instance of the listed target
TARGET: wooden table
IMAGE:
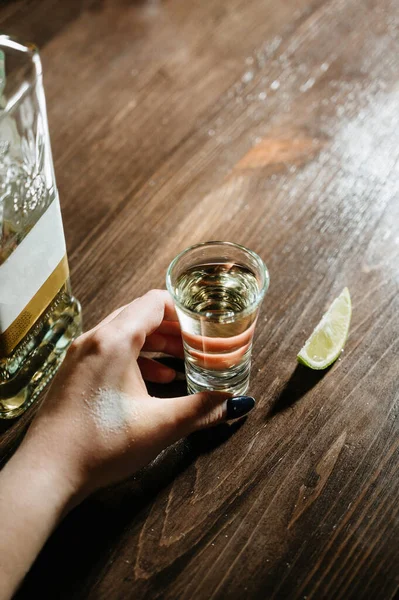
(273, 124)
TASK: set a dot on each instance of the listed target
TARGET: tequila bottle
(39, 317)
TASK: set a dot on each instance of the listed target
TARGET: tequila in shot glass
(217, 288)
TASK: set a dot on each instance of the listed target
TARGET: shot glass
(217, 288)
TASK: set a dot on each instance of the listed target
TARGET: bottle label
(31, 277)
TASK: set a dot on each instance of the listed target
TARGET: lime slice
(329, 337)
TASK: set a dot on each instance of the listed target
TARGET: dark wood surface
(273, 124)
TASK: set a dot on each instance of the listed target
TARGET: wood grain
(272, 124)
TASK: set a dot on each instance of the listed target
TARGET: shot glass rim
(262, 266)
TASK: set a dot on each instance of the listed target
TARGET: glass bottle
(39, 317)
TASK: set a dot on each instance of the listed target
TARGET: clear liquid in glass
(214, 309)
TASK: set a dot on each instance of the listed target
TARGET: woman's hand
(97, 426)
(98, 422)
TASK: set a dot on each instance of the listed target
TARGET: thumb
(206, 409)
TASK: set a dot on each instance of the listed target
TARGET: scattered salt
(247, 77)
(307, 85)
(112, 410)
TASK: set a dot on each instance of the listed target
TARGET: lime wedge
(329, 337)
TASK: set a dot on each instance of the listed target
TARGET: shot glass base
(203, 380)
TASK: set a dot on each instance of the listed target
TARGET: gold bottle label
(12, 336)
(31, 277)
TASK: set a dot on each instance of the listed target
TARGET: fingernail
(239, 406)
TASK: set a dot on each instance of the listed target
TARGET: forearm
(34, 495)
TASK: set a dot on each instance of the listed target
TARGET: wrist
(48, 475)
(34, 496)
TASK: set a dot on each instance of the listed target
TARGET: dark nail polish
(239, 406)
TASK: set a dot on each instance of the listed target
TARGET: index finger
(144, 315)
